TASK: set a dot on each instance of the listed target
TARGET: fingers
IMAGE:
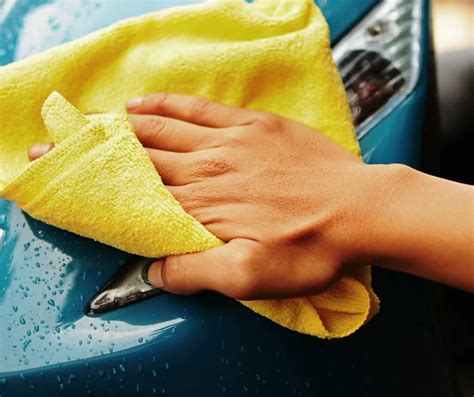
(226, 221)
(172, 167)
(36, 151)
(169, 134)
(220, 269)
(196, 110)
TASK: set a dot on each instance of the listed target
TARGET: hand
(283, 197)
(295, 209)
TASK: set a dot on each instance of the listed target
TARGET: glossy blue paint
(343, 14)
(189, 346)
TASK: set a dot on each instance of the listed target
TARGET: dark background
(453, 28)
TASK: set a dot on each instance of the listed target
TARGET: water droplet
(22, 320)
(122, 368)
(167, 366)
(15, 308)
(71, 378)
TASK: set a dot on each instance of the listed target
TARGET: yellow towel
(98, 182)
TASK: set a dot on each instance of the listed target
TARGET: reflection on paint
(47, 278)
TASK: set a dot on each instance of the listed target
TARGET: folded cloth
(98, 181)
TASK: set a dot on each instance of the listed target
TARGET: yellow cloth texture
(98, 181)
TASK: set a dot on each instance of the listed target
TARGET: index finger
(193, 109)
(38, 150)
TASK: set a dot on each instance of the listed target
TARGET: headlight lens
(379, 61)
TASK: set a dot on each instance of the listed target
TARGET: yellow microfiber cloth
(99, 182)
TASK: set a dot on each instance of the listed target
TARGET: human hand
(287, 200)
(295, 209)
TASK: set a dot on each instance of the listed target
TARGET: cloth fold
(98, 181)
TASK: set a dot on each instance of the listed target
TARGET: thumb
(218, 269)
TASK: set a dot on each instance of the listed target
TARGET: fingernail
(39, 150)
(154, 274)
(134, 102)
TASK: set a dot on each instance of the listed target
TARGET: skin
(296, 210)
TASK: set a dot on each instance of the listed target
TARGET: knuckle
(190, 198)
(156, 101)
(270, 123)
(213, 167)
(173, 277)
(154, 126)
(235, 138)
(246, 281)
(199, 106)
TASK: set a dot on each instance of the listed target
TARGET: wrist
(379, 218)
(421, 224)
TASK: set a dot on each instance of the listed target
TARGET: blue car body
(202, 345)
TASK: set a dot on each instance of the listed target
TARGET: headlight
(379, 61)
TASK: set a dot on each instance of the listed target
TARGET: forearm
(424, 226)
